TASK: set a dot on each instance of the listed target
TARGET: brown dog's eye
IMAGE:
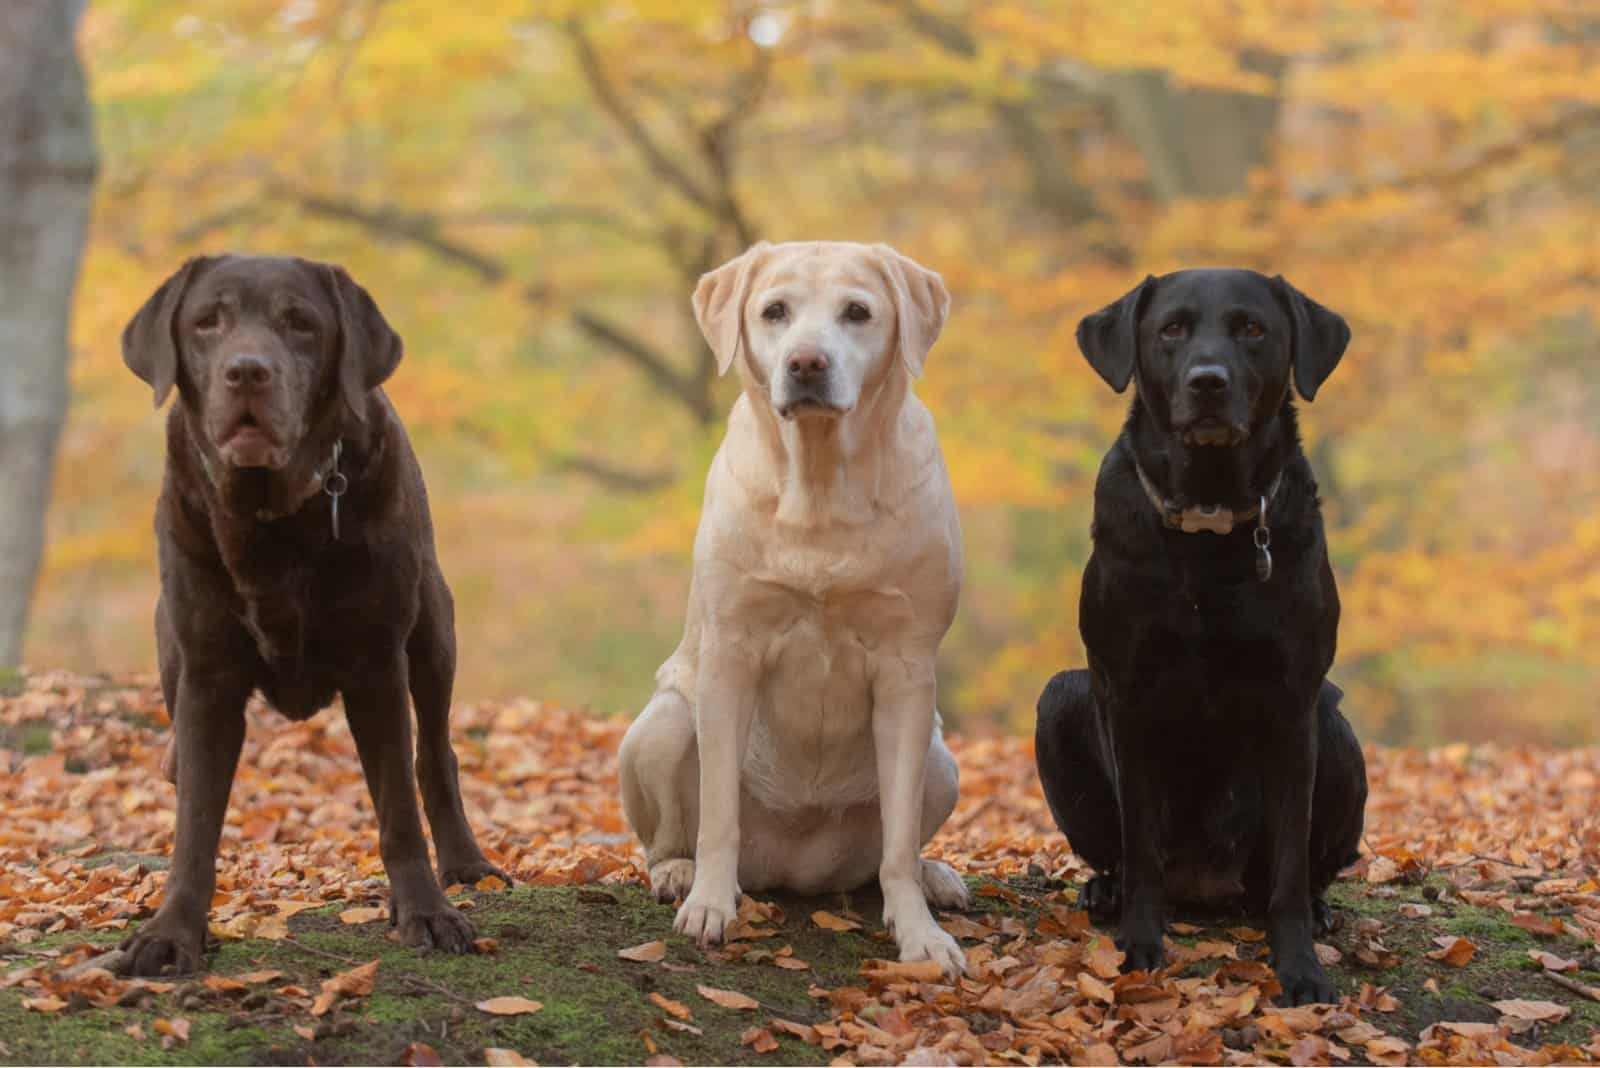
(209, 321)
(1252, 331)
(1174, 331)
(298, 322)
(856, 312)
(776, 312)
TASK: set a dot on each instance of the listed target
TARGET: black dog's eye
(1252, 330)
(856, 312)
(1174, 331)
(209, 321)
(776, 312)
(299, 322)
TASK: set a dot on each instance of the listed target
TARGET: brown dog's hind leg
(210, 733)
(432, 654)
(381, 724)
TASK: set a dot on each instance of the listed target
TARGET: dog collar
(332, 481)
(1217, 519)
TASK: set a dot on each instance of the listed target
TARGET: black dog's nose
(1207, 380)
(246, 370)
(807, 365)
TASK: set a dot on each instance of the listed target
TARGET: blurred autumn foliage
(530, 188)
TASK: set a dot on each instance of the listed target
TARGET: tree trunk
(47, 172)
(1196, 142)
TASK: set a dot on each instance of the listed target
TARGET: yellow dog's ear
(719, 302)
(921, 304)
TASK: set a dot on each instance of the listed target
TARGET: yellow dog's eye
(856, 312)
(776, 312)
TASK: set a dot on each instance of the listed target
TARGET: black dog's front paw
(165, 945)
(442, 929)
(1305, 983)
(1144, 951)
(1102, 897)
(468, 873)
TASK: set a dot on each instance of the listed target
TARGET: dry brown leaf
(496, 1057)
(175, 1029)
(1550, 962)
(355, 983)
(1523, 1014)
(793, 964)
(47, 1004)
(918, 971)
(759, 1039)
(645, 952)
(364, 915)
(829, 922)
(509, 1005)
(264, 976)
(421, 1055)
(728, 999)
(670, 1007)
(490, 882)
(222, 984)
(1454, 951)
(1095, 989)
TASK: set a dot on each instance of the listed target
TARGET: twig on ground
(1590, 992)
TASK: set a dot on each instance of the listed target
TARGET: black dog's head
(1214, 350)
(258, 348)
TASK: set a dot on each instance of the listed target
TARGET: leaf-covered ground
(1468, 929)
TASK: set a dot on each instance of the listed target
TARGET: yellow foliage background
(522, 184)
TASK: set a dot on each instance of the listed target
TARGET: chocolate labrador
(297, 559)
(1202, 757)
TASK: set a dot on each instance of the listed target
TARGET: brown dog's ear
(150, 340)
(369, 349)
(921, 305)
(719, 303)
(1109, 338)
(1320, 337)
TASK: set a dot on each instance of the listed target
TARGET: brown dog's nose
(807, 365)
(1207, 380)
(246, 370)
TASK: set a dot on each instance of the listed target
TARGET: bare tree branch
(632, 126)
(606, 473)
(642, 355)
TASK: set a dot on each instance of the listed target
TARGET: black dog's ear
(1109, 337)
(150, 340)
(369, 349)
(1320, 337)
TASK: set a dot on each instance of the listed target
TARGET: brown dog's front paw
(438, 927)
(468, 873)
(164, 946)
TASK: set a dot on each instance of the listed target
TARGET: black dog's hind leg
(1077, 786)
(1338, 806)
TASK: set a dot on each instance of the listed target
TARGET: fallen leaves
(1454, 951)
(369, 914)
(509, 1005)
(829, 922)
(355, 983)
(1524, 1014)
(676, 1009)
(645, 953)
(728, 999)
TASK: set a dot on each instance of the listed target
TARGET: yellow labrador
(793, 740)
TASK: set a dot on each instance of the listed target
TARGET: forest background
(531, 187)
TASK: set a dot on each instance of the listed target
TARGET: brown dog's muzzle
(250, 410)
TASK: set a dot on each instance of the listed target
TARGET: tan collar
(1194, 519)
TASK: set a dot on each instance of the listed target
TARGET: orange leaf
(495, 1057)
(670, 1007)
(829, 922)
(759, 1039)
(1456, 952)
(728, 999)
(355, 983)
(645, 952)
(509, 1005)
(363, 915)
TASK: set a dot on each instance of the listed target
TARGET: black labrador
(1202, 757)
(297, 559)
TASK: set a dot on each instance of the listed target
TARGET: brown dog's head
(259, 347)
